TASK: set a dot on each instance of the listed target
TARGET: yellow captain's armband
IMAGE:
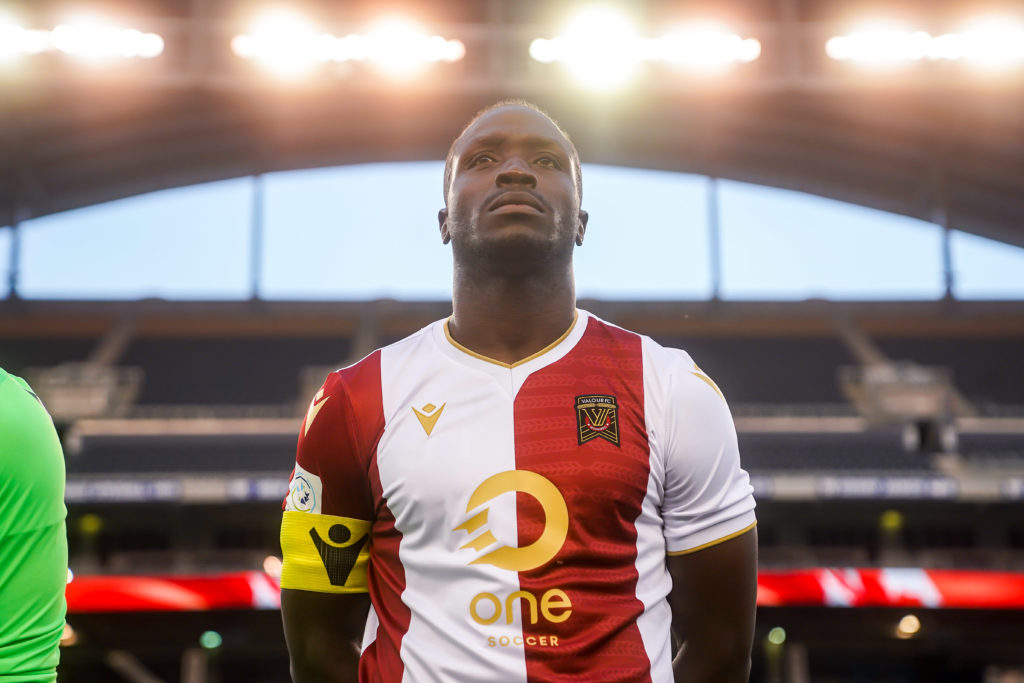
(324, 553)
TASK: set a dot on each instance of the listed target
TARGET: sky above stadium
(370, 231)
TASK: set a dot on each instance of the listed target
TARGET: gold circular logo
(556, 521)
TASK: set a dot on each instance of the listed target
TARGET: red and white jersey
(511, 522)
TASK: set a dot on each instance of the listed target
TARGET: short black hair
(512, 102)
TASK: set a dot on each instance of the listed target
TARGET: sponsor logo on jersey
(597, 417)
(554, 605)
(428, 415)
(556, 521)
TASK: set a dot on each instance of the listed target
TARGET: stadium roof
(936, 144)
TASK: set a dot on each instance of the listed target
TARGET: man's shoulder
(668, 370)
(654, 352)
(364, 374)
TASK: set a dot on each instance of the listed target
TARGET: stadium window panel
(647, 235)
(184, 243)
(5, 261)
(986, 269)
(355, 232)
(779, 244)
(370, 231)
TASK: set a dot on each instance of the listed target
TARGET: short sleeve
(329, 511)
(707, 495)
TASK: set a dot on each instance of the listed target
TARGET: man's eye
(548, 162)
(481, 158)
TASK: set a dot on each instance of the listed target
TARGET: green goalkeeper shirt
(33, 542)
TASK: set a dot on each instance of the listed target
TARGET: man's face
(513, 187)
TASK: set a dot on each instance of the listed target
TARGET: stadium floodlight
(90, 40)
(288, 45)
(993, 44)
(283, 42)
(601, 49)
(401, 48)
(706, 47)
(987, 44)
(16, 40)
(96, 41)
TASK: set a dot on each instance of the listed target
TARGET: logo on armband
(338, 559)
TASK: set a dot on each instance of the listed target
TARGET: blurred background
(207, 205)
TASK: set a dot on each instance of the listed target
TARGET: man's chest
(514, 479)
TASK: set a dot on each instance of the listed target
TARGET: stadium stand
(186, 479)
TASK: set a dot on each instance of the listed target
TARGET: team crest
(597, 417)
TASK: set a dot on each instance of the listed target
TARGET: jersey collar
(520, 369)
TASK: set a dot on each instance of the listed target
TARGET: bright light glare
(990, 43)
(705, 47)
(908, 627)
(777, 636)
(17, 40)
(71, 575)
(85, 39)
(99, 41)
(600, 47)
(400, 47)
(282, 41)
(993, 43)
(288, 45)
(272, 565)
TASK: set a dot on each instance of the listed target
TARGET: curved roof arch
(941, 148)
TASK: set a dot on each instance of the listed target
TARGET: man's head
(511, 103)
(512, 189)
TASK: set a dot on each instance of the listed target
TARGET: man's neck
(508, 319)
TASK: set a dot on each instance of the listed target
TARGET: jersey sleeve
(328, 511)
(707, 495)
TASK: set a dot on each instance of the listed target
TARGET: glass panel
(778, 244)
(986, 269)
(5, 261)
(647, 236)
(356, 232)
(185, 243)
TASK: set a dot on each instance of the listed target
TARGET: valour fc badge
(597, 416)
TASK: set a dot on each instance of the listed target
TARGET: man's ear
(442, 222)
(581, 227)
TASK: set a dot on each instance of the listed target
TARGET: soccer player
(521, 492)
(33, 543)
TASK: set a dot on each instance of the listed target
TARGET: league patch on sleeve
(324, 553)
(305, 492)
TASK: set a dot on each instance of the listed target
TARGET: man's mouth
(510, 202)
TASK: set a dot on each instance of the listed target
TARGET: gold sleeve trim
(723, 539)
(460, 347)
(324, 553)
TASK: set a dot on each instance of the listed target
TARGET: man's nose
(516, 171)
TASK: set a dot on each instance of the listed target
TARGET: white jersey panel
(654, 582)
(707, 495)
(449, 428)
